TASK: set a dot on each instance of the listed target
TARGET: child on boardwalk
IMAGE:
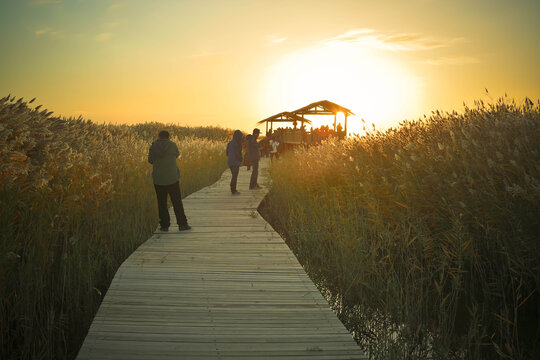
(274, 145)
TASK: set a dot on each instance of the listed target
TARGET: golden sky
(233, 62)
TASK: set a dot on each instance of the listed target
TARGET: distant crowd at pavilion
(296, 135)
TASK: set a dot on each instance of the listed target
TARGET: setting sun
(375, 87)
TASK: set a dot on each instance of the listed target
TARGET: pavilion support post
(345, 125)
(267, 127)
(335, 117)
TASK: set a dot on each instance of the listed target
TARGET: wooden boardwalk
(230, 288)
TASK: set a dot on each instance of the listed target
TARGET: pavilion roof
(323, 107)
(285, 116)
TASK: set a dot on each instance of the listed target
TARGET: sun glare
(375, 88)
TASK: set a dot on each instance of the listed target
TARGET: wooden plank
(230, 288)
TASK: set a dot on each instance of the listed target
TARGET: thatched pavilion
(324, 107)
(285, 116)
(297, 136)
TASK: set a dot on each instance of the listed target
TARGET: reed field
(76, 199)
(426, 237)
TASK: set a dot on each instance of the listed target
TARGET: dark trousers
(254, 174)
(173, 191)
(234, 179)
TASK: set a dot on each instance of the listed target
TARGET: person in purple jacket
(234, 158)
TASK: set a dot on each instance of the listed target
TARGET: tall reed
(425, 237)
(76, 199)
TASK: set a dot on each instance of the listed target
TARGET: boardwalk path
(228, 289)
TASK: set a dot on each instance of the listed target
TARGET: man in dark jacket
(234, 158)
(162, 155)
(253, 156)
(245, 149)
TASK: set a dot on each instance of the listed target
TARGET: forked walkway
(230, 288)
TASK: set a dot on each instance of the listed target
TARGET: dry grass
(76, 199)
(425, 237)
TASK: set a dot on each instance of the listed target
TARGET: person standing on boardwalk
(254, 156)
(234, 158)
(166, 175)
(245, 149)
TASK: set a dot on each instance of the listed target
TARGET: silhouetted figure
(245, 147)
(253, 157)
(340, 132)
(264, 147)
(234, 158)
(165, 174)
